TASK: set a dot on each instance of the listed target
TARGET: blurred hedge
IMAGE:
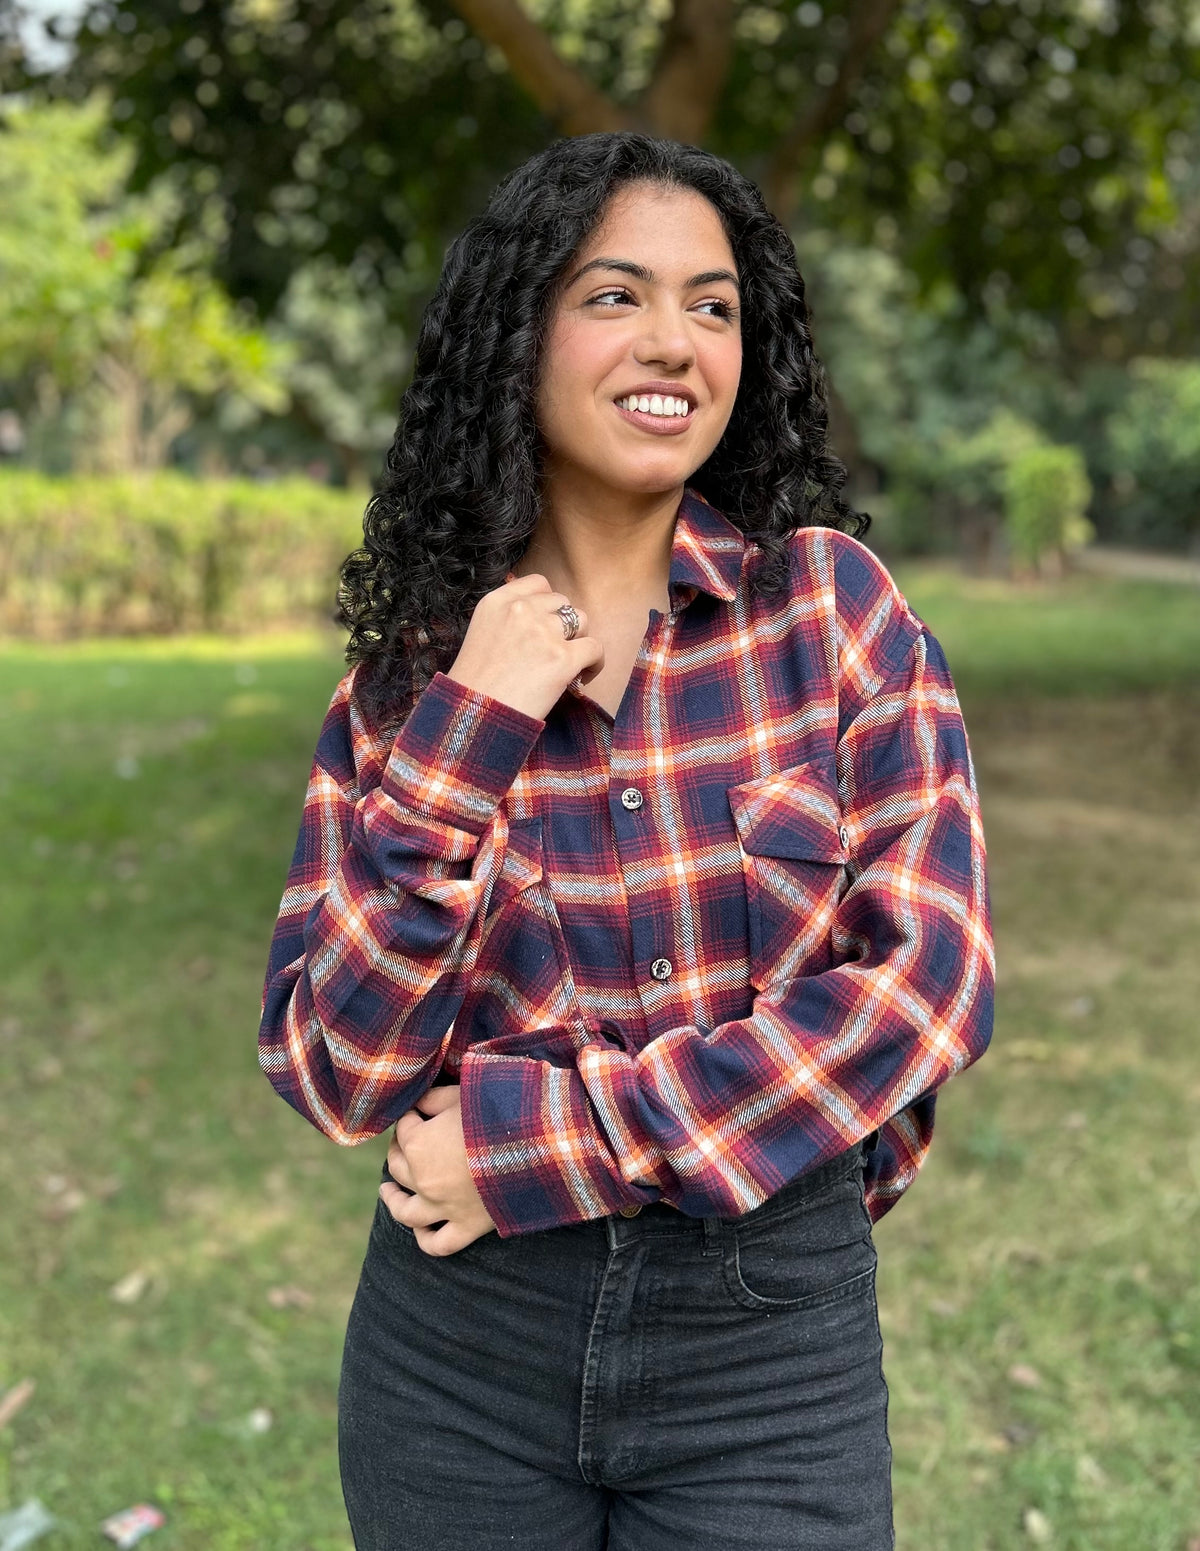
(161, 553)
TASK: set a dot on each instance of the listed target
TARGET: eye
(619, 292)
(726, 311)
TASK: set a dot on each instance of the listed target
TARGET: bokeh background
(219, 223)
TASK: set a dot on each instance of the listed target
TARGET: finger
(444, 1239)
(443, 1096)
(395, 1200)
(526, 586)
(399, 1167)
(411, 1120)
(587, 652)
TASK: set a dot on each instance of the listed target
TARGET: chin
(649, 476)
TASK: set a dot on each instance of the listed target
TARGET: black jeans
(654, 1383)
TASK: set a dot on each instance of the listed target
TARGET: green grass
(150, 794)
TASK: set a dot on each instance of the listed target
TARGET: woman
(641, 886)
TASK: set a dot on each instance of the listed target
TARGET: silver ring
(570, 621)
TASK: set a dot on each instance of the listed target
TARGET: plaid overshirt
(684, 954)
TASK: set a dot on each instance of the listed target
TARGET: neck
(599, 545)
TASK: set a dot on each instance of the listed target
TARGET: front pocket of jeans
(794, 852)
(816, 1253)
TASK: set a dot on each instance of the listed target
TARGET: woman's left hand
(428, 1158)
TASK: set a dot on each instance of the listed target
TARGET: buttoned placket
(634, 818)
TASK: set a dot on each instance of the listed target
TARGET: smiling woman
(640, 888)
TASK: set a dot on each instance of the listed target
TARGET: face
(647, 310)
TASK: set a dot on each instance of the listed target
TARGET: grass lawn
(178, 1250)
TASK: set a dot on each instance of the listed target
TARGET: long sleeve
(714, 1121)
(379, 918)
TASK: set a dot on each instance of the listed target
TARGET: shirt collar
(707, 552)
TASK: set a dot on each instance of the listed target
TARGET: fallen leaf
(16, 1397)
(65, 1204)
(1037, 1526)
(288, 1298)
(1025, 1376)
(1089, 1472)
(130, 1288)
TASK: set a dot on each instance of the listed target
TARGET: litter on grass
(127, 1527)
(23, 1525)
(15, 1398)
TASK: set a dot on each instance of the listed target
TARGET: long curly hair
(460, 494)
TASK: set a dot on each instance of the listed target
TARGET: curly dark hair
(460, 494)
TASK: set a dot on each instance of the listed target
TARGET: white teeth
(656, 404)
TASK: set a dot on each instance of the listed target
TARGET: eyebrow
(640, 272)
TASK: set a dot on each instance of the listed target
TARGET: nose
(664, 339)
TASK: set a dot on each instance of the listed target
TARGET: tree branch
(690, 71)
(870, 21)
(563, 93)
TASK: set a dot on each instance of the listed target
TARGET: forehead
(662, 227)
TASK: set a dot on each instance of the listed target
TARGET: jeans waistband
(659, 1217)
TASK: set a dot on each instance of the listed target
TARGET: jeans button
(630, 1211)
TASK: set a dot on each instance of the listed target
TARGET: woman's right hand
(516, 650)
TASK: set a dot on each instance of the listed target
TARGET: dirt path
(1145, 565)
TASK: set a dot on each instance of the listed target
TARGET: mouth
(664, 414)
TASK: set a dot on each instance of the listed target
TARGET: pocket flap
(521, 866)
(793, 814)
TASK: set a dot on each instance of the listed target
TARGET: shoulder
(873, 625)
(352, 750)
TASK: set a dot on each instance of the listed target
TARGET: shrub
(163, 553)
(1154, 439)
(1046, 493)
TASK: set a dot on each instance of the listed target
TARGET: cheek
(727, 368)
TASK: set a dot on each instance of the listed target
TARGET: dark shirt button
(661, 969)
(632, 799)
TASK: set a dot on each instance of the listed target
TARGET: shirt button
(661, 969)
(632, 799)
(629, 1211)
(843, 836)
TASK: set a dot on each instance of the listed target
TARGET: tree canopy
(1036, 154)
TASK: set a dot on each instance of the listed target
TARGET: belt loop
(712, 1236)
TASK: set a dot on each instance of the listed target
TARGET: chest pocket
(794, 857)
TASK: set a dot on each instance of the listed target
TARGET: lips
(658, 425)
